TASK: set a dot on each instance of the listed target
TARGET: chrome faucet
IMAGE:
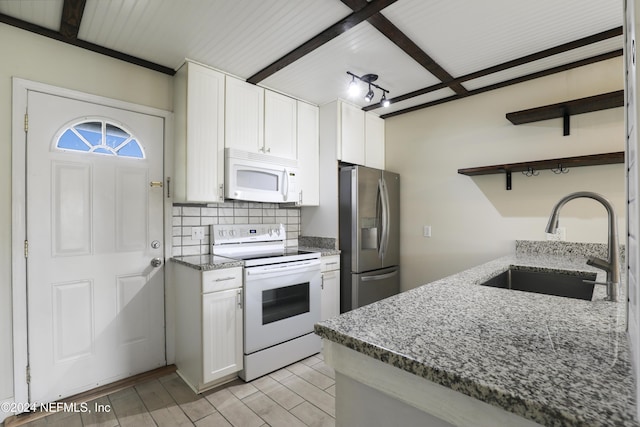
(612, 264)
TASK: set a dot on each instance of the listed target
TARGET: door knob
(156, 262)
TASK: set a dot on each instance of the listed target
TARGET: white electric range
(281, 295)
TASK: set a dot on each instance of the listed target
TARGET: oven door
(282, 302)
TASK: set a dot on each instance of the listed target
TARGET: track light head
(384, 101)
(369, 96)
(354, 89)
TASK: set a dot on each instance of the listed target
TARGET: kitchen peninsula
(453, 352)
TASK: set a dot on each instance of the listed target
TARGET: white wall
(476, 219)
(37, 58)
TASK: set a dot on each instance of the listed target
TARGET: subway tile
(208, 220)
(190, 211)
(176, 221)
(177, 210)
(240, 219)
(190, 220)
(176, 231)
(226, 211)
(209, 211)
(255, 212)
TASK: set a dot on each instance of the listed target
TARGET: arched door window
(100, 137)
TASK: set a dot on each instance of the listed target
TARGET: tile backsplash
(187, 216)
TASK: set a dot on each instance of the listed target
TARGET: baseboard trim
(89, 395)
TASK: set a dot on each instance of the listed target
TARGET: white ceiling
(242, 37)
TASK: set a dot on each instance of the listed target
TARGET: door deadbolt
(155, 244)
(156, 262)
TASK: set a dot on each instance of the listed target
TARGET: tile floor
(302, 394)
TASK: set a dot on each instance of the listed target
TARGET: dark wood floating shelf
(568, 108)
(560, 165)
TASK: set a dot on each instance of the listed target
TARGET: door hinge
(26, 122)
(28, 374)
(26, 249)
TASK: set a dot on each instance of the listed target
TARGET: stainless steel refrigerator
(369, 235)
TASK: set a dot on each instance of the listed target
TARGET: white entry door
(94, 225)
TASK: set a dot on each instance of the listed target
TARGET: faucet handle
(599, 263)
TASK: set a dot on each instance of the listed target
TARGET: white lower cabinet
(330, 299)
(208, 325)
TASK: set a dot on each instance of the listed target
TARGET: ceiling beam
(565, 47)
(554, 70)
(72, 11)
(400, 39)
(330, 33)
(84, 44)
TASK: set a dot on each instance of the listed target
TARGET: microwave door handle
(285, 186)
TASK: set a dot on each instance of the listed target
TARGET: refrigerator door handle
(380, 217)
(385, 218)
(379, 277)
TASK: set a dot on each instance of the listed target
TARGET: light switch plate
(426, 231)
(197, 233)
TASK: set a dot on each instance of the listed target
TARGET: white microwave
(260, 177)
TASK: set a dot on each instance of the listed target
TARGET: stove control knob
(221, 233)
(232, 232)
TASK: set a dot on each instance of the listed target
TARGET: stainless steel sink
(550, 283)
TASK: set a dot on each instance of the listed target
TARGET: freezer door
(366, 219)
(391, 231)
(373, 286)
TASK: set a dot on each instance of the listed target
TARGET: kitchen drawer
(221, 280)
(330, 263)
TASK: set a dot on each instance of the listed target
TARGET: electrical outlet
(426, 231)
(197, 233)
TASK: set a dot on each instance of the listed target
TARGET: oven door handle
(283, 268)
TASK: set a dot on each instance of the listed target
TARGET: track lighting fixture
(354, 89)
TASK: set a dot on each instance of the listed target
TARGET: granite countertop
(214, 262)
(207, 262)
(553, 360)
(323, 251)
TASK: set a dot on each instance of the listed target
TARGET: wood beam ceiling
(565, 47)
(71, 18)
(532, 76)
(330, 33)
(400, 39)
(72, 11)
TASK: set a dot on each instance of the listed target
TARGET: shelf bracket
(566, 123)
(508, 174)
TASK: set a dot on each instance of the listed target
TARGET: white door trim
(18, 214)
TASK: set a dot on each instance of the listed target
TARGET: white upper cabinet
(351, 134)
(308, 154)
(358, 137)
(244, 113)
(373, 141)
(199, 94)
(280, 125)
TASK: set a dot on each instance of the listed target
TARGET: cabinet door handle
(239, 298)
(322, 281)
